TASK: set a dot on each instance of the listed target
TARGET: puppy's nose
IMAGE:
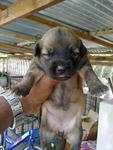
(60, 69)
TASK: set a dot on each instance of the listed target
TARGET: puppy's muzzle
(60, 69)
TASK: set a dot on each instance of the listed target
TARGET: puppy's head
(59, 53)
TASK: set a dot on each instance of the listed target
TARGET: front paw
(98, 89)
(20, 91)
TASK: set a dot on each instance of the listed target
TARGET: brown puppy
(62, 56)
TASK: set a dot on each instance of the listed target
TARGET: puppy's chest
(64, 93)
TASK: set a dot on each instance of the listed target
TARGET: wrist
(30, 105)
(26, 104)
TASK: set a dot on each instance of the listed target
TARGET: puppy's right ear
(37, 50)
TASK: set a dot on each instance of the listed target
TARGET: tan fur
(64, 115)
(61, 113)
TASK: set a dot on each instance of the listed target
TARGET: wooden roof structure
(23, 22)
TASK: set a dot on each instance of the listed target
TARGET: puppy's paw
(98, 90)
(20, 91)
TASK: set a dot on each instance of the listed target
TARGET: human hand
(38, 94)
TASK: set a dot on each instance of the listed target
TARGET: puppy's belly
(61, 120)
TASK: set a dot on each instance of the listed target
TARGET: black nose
(60, 69)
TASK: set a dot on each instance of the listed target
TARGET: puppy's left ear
(83, 49)
(37, 50)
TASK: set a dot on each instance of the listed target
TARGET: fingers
(38, 94)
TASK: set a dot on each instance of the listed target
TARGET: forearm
(30, 104)
(38, 94)
(94, 84)
(6, 115)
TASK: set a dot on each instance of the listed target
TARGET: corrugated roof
(88, 14)
(83, 15)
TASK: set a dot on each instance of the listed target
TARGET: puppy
(62, 56)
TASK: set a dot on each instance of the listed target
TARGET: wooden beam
(82, 35)
(92, 39)
(23, 56)
(23, 8)
(2, 7)
(8, 16)
(42, 21)
(101, 58)
(102, 63)
(14, 49)
(2, 51)
(5, 50)
(13, 35)
(17, 36)
(101, 32)
(9, 51)
(15, 46)
(100, 52)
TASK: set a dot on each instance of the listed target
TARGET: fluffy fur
(62, 56)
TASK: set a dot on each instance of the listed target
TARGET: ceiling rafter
(15, 46)
(14, 49)
(101, 32)
(42, 21)
(17, 36)
(83, 35)
(24, 8)
(102, 63)
(31, 6)
(2, 7)
(91, 52)
(13, 35)
(101, 58)
(10, 52)
(25, 56)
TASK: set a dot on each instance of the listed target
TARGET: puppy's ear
(37, 50)
(83, 49)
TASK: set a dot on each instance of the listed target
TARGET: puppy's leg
(75, 135)
(24, 86)
(74, 139)
(46, 135)
(33, 75)
(94, 84)
(60, 143)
